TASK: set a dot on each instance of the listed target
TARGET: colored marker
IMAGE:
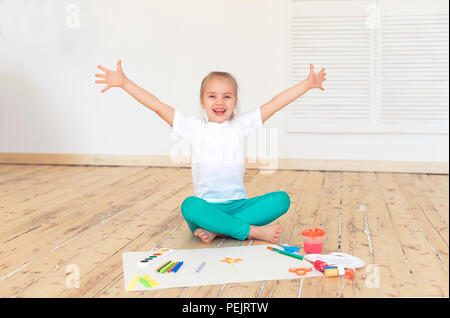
(164, 269)
(178, 267)
(159, 269)
(200, 267)
(285, 253)
(171, 267)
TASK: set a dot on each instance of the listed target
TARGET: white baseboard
(273, 164)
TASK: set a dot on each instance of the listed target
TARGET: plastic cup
(313, 240)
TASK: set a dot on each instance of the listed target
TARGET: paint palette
(155, 256)
(337, 258)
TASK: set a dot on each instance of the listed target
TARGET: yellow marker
(151, 281)
(164, 269)
(133, 283)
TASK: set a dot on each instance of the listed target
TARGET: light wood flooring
(54, 218)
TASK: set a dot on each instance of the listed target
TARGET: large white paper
(257, 264)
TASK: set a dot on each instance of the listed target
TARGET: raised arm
(314, 80)
(118, 79)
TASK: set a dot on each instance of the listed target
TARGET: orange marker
(171, 267)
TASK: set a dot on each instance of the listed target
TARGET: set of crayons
(170, 267)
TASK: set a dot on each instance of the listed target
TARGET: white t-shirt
(217, 153)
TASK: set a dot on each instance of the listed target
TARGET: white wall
(49, 102)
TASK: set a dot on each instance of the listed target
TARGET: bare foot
(206, 236)
(270, 233)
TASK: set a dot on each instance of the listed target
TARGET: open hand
(316, 79)
(111, 78)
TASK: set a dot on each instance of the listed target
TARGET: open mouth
(219, 111)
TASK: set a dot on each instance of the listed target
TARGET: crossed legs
(243, 219)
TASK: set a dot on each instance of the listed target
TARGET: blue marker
(177, 267)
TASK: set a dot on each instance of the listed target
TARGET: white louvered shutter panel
(413, 40)
(334, 35)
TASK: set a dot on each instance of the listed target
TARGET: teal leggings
(233, 218)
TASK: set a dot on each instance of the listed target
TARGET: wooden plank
(19, 180)
(426, 268)
(31, 214)
(287, 288)
(355, 236)
(92, 250)
(325, 196)
(249, 175)
(20, 189)
(11, 173)
(39, 193)
(389, 271)
(441, 181)
(5, 169)
(27, 204)
(435, 197)
(435, 228)
(40, 184)
(73, 218)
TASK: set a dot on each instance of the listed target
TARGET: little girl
(220, 205)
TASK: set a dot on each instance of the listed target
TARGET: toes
(204, 237)
(280, 229)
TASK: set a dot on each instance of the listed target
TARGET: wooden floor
(55, 220)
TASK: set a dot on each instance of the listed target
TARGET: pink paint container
(313, 240)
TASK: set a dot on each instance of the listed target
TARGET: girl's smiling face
(219, 100)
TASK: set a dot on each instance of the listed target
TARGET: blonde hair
(227, 76)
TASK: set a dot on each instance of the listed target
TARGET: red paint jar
(313, 240)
